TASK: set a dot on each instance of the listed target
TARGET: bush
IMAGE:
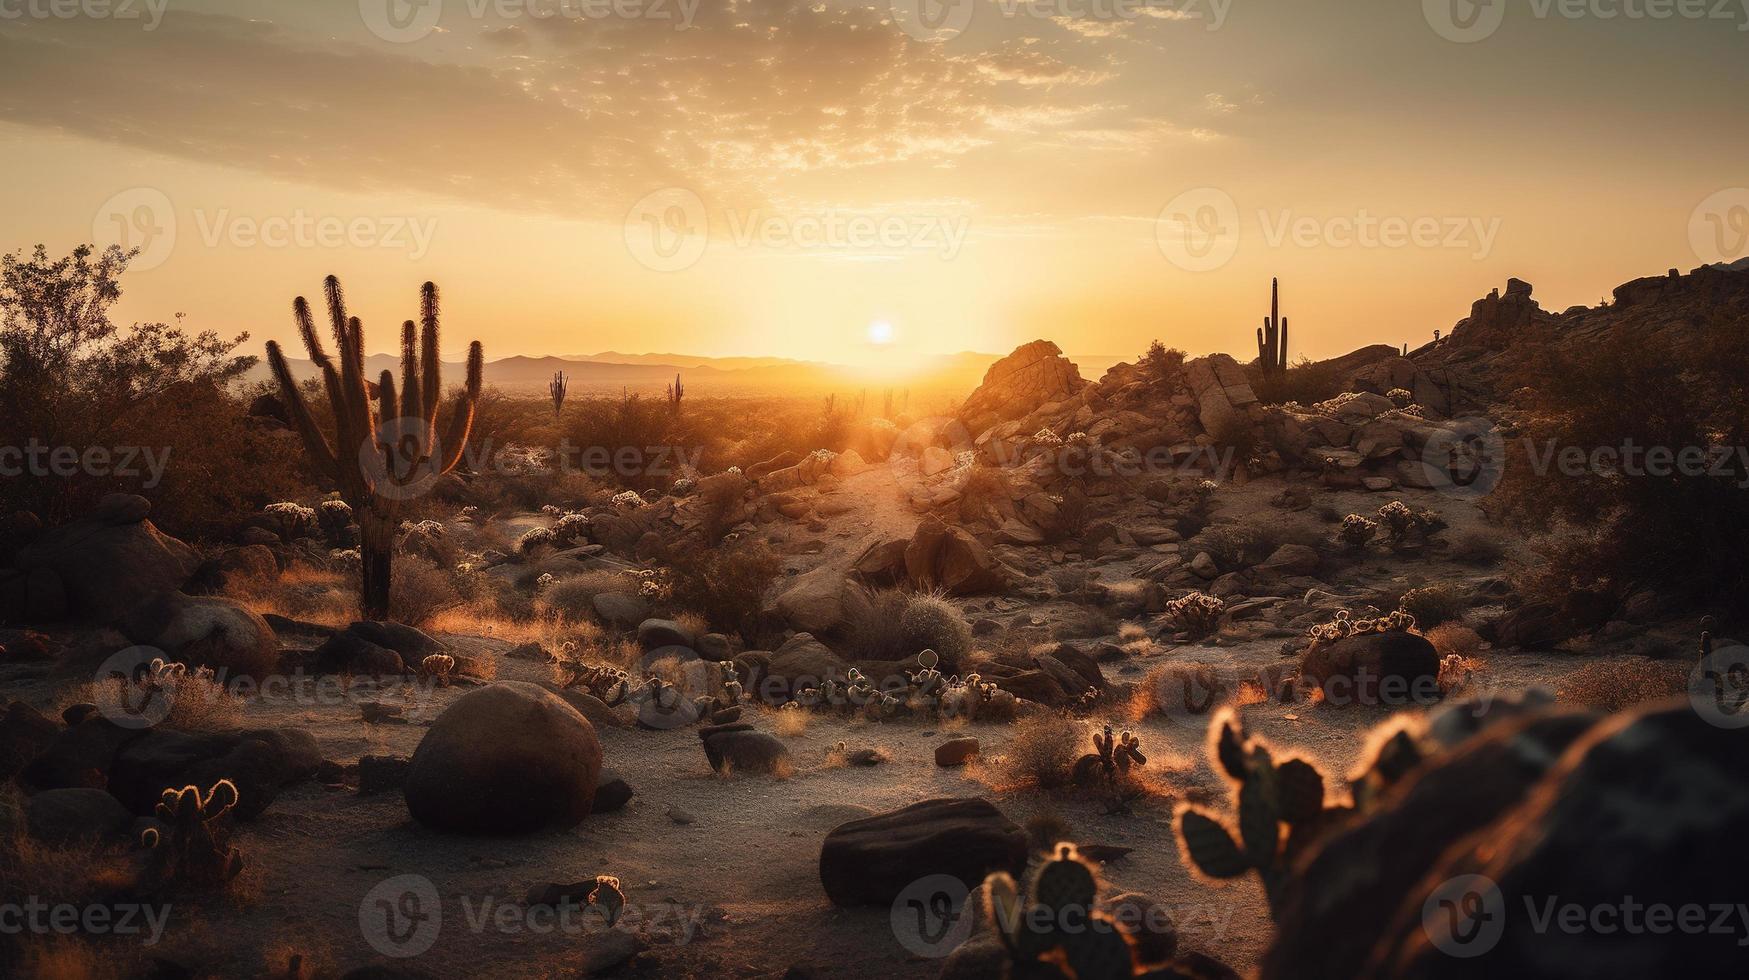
(419, 590)
(930, 622)
(1306, 382)
(872, 625)
(572, 599)
(1454, 640)
(726, 585)
(1041, 753)
(1677, 535)
(1478, 548)
(1432, 605)
(1618, 686)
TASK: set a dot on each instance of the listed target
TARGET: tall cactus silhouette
(557, 389)
(1272, 336)
(386, 451)
(676, 392)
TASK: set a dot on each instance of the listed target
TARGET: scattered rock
(60, 817)
(870, 861)
(508, 758)
(956, 751)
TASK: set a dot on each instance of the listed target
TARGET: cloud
(569, 116)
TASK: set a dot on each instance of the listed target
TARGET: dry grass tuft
(1455, 639)
(1618, 686)
(1040, 754)
(791, 722)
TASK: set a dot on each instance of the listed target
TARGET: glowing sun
(880, 332)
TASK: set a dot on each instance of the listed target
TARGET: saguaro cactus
(676, 392)
(1272, 336)
(557, 389)
(388, 451)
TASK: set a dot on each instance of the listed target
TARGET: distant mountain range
(953, 374)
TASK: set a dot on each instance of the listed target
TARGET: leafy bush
(1305, 381)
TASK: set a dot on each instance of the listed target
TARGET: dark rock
(736, 748)
(611, 794)
(1033, 685)
(261, 762)
(206, 631)
(76, 816)
(870, 861)
(106, 563)
(1393, 668)
(654, 634)
(234, 570)
(956, 751)
(505, 759)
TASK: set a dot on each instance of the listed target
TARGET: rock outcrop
(1034, 375)
(95, 569)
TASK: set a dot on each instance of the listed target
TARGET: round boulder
(206, 631)
(1395, 668)
(510, 758)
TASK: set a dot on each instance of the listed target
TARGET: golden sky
(776, 177)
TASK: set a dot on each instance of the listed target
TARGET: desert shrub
(572, 599)
(1305, 381)
(792, 721)
(1084, 623)
(534, 539)
(1230, 545)
(1618, 686)
(726, 585)
(1403, 524)
(1041, 753)
(1432, 605)
(930, 622)
(604, 428)
(1684, 535)
(872, 625)
(1452, 639)
(1162, 363)
(419, 590)
(70, 377)
(1046, 829)
(1070, 521)
(1356, 532)
(721, 504)
(1180, 689)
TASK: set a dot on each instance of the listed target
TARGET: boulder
(737, 748)
(949, 558)
(655, 634)
(882, 563)
(956, 751)
(205, 631)
(803, 661)
(611, 794)
(105, 564)
(509, 758)
(1395, 668)
(375, 649)
(235, 570)
(1034, 375)
(872, 860)
(620, 610)
(24, 734)
(261, 762)
(60, 817)
(818, 601)
(1293, 559)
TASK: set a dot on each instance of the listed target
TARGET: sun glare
(880, 332)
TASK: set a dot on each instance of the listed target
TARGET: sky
(879, 180)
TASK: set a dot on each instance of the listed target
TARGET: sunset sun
(880, 332)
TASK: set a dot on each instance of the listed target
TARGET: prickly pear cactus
(1054, 929)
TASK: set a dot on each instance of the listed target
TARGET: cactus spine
(1272, 336)
(557, 389)
(387, 450)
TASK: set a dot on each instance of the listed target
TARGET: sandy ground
(722, 873)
